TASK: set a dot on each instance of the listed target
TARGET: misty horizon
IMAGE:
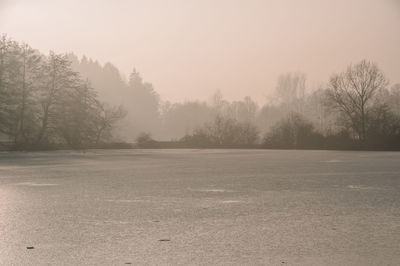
(189, 49)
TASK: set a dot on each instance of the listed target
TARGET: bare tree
(107, 116)
(8, 85)
(58, 78)
(30, 61)
(352, 91)
(44, 102)
(291, 86)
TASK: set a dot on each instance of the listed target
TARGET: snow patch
(215, 190)
(333, 161)
(31, 184)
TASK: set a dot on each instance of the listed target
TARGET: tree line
(60, 100)
(356, 109)
(44, 103)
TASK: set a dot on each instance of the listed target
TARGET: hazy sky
(190, 48)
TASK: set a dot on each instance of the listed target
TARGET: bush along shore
(294, 132)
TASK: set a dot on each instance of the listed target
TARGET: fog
(199, 132)
(190, 49)
(204, 73)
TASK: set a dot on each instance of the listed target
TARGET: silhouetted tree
(8, 86)
(144, 105)
(352, 92)
(43, 101)
(29, 69)
(58, 81)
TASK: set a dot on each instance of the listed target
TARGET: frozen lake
(208, 207)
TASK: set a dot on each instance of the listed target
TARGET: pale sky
(190, 48)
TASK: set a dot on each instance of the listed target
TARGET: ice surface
(216, 207)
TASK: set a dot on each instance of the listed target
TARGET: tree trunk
(21, 130)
